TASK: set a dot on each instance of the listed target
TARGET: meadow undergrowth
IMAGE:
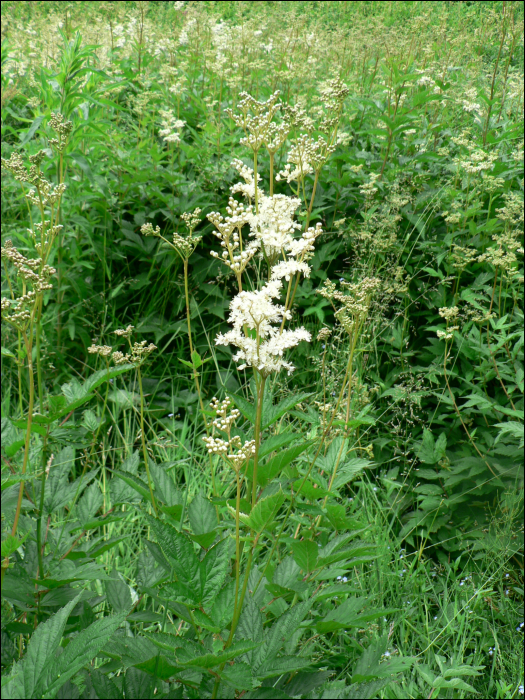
(262, 350)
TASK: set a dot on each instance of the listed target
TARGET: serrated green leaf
(202, 515)
(80, 650)
(238, 676)
(179, 551)
(268, 471)
(42, 648)
(164, 485)
(211, 660)
(274, 412)
(264, 513)
(214, 569)
(247, 409)
(305, 553)
(136, 484)
(279, 633)
(250, 625)
(118, 593)
(281, 665)
(12, 543)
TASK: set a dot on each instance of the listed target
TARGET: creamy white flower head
(247, 188)
(286, 268)
(303, 247)
(257, 311)
(274, 226)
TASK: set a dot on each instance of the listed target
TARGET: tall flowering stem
(184, 247)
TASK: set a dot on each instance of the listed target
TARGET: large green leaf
(202, 515)
(118, 593)
(214, 569)
(264, 513)
(179, 551)
(41, 650)
(274, 412)
(278, 462)
(80, 650)
(305, 553)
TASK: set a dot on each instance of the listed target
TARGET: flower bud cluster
(138, 355)
(324, 334)
(223, 421)
(63, 130)
(32, 271)
(124, 333)
(235, 255)
(232, 449)
(255, 125)
(102, 350)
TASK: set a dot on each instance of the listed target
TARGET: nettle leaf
(136, 484)
(268, 471)
(305, 553)
(371, 665)
(178, 549)
(91, 501)
(250, 625)
(118, 593)
(304, 682)
(214, 569)
(211, 660)
(286, 574)
(275, 442)
(274, 412)
(336, 451)
(80, 650)
(513, 427)
(42, 649)
(348, 471)
(120, 491)
(347, 615)
(264, 513)
(281, 665)
(247, 409)
(223, 606)
(12, 543)
(104, 687)
(431, 451)
(138, 684)
(77, 394)
(202, 515)
(57, 481)
(239, 676)
(164, 485)
(280, 632)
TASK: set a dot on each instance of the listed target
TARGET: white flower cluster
(274, 225)
(263, 348)
(171, 126)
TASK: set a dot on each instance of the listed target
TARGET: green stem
(258, 416)
(196, 379)
(143, 439)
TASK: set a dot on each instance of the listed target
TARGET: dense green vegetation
(295, 472)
